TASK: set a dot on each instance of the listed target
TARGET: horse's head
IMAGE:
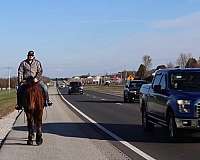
(30, 80)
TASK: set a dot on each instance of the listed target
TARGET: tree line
(4, 82)
(184, 60)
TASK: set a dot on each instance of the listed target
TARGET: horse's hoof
(29, 142)
(39, 141)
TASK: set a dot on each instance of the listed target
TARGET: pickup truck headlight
(183, 106)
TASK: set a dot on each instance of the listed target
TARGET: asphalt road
(124, 120)
(66, 137)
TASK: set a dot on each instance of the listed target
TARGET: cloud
(191, 21)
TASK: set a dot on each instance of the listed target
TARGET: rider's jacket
(27, 69)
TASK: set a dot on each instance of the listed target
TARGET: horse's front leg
(30, 128)
(38, 124)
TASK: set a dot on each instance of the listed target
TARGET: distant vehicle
(75, 87)
(172, 100)
(61, 85)
(107, 83)
(131, 90)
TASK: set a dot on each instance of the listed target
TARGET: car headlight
(70, 87)
(81, 87)
(183, 106)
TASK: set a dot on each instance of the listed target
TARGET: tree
(183, 59)
(170, 65)
(191, 63)
(147, 61)
(141, 71)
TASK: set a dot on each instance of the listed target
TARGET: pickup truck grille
(197, 109)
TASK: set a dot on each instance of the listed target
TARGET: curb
(8, 130)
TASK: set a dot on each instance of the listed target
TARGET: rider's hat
(31, 53)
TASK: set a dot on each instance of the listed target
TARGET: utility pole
(9, 68)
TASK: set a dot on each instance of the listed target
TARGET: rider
(30, 67)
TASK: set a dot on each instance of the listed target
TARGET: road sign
(130, 77)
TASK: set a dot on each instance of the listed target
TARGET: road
(66, 137)
(124, 120)
(69, 135)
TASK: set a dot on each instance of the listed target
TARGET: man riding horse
(30, 67)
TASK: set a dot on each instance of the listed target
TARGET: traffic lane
(125, 121)
(98, 104)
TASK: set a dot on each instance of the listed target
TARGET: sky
(74, 37)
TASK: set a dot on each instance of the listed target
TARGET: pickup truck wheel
(125, 99)
(172, 126)
(145, 121)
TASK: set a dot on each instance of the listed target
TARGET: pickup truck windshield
(136, 85)
(186, 81)
(75, 84)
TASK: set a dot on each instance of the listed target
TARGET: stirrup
(49, 103)
(17, 107)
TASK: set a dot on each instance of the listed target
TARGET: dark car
(131, 90)
(75, 87)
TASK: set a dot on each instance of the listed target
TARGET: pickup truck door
(161, 98)
(153, 105)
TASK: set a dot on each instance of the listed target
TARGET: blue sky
(73, 37)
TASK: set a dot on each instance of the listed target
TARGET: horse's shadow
(128, 132)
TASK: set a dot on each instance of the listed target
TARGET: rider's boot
(47, 103)
(18, 106)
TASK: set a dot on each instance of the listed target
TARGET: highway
(124, 120)
(114, 134)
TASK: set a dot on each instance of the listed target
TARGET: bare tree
(183, 59)
(141, 71)
(191, 63)
(170, 65)
(147, 61)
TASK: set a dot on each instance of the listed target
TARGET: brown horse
(33, 107)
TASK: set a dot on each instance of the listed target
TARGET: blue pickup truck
(172, 100)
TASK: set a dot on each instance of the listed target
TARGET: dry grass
(7, 102)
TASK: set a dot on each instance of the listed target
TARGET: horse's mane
(34, 96)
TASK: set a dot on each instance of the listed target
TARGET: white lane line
(103, 99)
(127, 144)
(119, 104)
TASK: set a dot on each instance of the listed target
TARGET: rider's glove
(35, 80)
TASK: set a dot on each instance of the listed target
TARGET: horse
(33, 107)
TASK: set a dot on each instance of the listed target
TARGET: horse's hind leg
(30, 129)
(38, 123)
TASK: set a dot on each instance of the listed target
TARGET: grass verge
(7, 102)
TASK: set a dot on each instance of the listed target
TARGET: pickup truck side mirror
(157, 88)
